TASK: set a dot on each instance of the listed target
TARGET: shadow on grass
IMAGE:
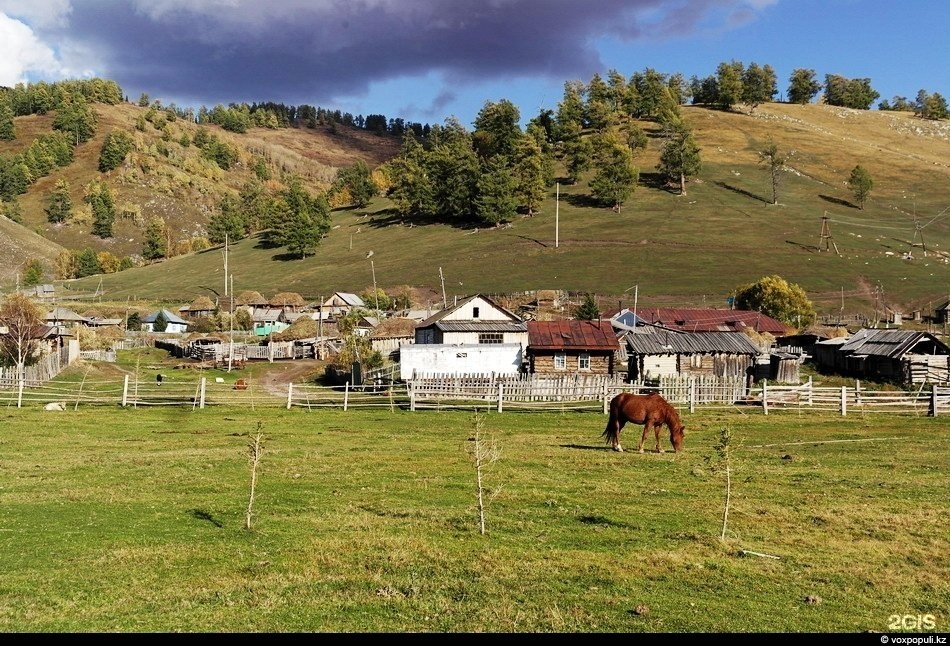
(838, 201)
(658, 181)
(742, 191)
(804, 247)
(583, 201)
(584, 447)
(201, 514)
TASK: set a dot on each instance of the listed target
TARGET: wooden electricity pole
(826, 238)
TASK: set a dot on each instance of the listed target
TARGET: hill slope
(665, 248)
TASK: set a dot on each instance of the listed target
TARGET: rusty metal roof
(711, 320)
(670, 342)
(572, 334)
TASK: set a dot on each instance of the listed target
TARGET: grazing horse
(650, 410)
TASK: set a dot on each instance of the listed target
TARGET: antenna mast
(445, 302)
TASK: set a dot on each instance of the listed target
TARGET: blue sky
(427, 60)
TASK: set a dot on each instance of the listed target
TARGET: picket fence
(590, 395)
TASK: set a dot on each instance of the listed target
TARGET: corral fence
(520, 393)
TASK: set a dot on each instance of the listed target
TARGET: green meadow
(136, 520)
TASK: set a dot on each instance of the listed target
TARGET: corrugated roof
(710, 320)
(480, 326)
(661, 342)
(572, 334)
(438, 316)
(888, 343)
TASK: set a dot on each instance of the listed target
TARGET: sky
(428, 60)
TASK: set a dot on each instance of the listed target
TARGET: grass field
(120, 520)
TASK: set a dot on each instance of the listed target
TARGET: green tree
(774, 160)
(227, 222)
(495, 201)
(729, 82)
(12, 210)
(579, 155)
(616, 176)
(411, 190)
(497, 129)
(860, 183)
(779, 299)
(87, 263)
(32, 272)
(679, 158)
(102, 203)
(303, 220)
(7, 127)
(76, 118)
(358, 180)
(759, 85)
(154, 244)
(802, 86)
(569, 120)
(588, 310)
(530, 174)
(160, 324)
(59, 204)
(116, 147)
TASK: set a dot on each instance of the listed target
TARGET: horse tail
(612, 430)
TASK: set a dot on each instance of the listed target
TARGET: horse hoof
(641, 451)
(619, 449)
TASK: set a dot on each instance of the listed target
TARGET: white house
(475, 336)
(175, 322)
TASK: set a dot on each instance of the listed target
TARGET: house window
(560, 361)
(583, 361)
(490, 337)
(695, 361)
(474, 312)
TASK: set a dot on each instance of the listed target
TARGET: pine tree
(588, 310)
(59, 205)
(495, 203)
(860, 183)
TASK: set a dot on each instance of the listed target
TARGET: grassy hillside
(668, 249)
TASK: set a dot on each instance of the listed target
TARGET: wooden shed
(663, 353)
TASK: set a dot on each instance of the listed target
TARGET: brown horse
(650, 410)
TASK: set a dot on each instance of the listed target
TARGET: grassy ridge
(133, 520)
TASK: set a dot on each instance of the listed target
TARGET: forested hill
(594, 196)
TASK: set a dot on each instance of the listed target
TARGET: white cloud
(39, 13)
(22, 54)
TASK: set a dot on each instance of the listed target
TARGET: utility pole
(445, 302)
(826, 235)
(557, 214)
(372, 265)
(225, 264)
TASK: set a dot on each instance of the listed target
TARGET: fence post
(201, 402)
(125, 391)
(765, 398)
(270, 351)
(692, 395)
(290, 395)
(604, 397)
(811, 393)
(857, 392)
(346, 395)
(933, 400)
(844, 401)
(501, 389)
(412, 397)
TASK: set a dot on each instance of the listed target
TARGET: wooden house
(663, 353)
(341, 303)
(901, 356)
(571, 346)
(63, 317)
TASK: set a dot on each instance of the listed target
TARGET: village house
(174, 323)
(474, 336)
(571, 346)
(901, 356)
(663, 353)
(711, 320)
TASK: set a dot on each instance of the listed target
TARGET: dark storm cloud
(219, 51)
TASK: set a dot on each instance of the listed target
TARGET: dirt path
(275, 379)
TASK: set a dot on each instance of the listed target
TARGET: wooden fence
(198, 392)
